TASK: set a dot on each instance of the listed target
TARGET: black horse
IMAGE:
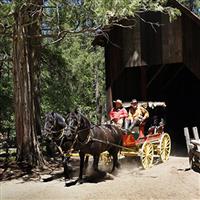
(93, 139)
(55, 128)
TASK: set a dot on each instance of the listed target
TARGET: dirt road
(168, 180)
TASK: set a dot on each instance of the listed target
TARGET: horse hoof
(70, 182)
(118, 166)
(80, 181)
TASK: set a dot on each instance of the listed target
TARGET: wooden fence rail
(193, 147)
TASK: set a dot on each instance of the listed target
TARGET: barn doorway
(175, 84)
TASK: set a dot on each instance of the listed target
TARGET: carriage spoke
(165, 147)
(147, 155)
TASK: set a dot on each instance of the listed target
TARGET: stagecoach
(147, 141)
(77, 133)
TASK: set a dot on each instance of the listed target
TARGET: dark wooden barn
(156, 63)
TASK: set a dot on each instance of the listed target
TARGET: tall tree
(26, 57)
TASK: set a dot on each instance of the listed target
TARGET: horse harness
(91, 137)
(60, 137)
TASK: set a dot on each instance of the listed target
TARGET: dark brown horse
(93, 139)
(55, 129)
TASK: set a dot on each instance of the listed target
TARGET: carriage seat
(137, 132)
(155, 129)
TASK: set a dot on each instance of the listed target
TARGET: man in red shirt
(118, 113)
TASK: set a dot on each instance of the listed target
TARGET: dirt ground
(169, 180)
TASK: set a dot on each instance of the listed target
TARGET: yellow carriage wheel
(106, 158)
(165, 147)
(147, 155)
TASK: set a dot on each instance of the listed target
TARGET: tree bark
(26, 82)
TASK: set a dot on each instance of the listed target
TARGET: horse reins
(76, 131)
(60, 137)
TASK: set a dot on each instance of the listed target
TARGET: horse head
(75, 122)
(54, 123)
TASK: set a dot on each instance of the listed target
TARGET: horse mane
(84, 121)
(58, 119)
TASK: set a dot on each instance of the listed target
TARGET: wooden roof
(184, 10)
(102, 40)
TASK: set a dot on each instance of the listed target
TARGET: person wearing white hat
(118, 113)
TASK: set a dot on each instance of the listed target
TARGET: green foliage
(6, 85)
(77, 15)
(6, 97)
(68, 79)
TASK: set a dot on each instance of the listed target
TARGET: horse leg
(115, 160)
(67, 168)
(96, 162)
(82, 157)
(86, 161)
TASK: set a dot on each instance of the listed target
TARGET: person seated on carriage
(118, 113)
(137, 116)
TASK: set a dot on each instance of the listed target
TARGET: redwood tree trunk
(26, 82)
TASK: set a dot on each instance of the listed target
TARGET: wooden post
(109, 103)
(143, 82)
(195, 133)
(196, 137)
(187, 138)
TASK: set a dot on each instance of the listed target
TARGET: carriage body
(143, 143)
(149, 143)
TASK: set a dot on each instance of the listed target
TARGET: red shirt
(117, 114)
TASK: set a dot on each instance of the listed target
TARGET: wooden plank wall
(191, 44)
(151, 45)
(169, 44)
(147, 44)
(171, 40)
(113, 56)
(131, 44)
(125, 86)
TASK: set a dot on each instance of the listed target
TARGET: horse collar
(86, 141)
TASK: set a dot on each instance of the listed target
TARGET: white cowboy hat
(118, 101)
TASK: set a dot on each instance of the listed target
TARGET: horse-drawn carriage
(156, 143)
(87, 138)
(150, 140)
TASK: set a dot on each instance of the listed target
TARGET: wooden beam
(187, 138)
(196, 137)
(155, 75)
(195, 133)
(173, 77)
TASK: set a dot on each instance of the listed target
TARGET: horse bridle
(52, 126)
(49, 130)
(54, 132)
(76, 133)
(73, 129)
